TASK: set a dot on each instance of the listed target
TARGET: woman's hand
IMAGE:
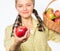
(21, 39)
(18, 41)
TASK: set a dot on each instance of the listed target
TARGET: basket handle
(50, 3)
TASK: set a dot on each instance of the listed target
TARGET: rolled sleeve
(54, 36)
(8, 40)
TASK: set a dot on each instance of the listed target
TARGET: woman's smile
(25, 12)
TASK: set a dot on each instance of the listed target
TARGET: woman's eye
(28, 5)
(19, 6)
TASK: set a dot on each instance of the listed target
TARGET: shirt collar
(35, 22)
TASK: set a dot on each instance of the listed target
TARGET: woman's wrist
(17, 42)
(15, 46)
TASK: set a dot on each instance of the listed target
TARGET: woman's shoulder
(45, 27)
(8, 30)
(8, 27)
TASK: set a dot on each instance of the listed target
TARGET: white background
(8, 14)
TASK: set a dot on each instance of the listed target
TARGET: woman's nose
(24, 8)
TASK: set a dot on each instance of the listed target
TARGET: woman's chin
(26, 16)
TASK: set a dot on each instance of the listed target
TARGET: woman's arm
(9, 42)
(13, 43)
(53, 36)
(15, 46)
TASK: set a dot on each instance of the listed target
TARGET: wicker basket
(51, 24)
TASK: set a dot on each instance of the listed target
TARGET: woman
(37, 34)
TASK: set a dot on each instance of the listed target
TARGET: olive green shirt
(38, 40)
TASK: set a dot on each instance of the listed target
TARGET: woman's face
(24, 7)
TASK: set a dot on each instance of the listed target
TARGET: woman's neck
(27, 22)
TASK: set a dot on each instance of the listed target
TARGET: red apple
(57, 20)
(20, 31)
(57, 13)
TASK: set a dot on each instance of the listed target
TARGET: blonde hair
(32, 1)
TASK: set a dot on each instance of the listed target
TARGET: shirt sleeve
(52, 35)
(8, 40)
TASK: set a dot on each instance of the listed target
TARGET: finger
(28, 34)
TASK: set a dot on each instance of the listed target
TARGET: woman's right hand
(18, 41)
(21, 39)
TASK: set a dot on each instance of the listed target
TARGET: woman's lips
(25, 12)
